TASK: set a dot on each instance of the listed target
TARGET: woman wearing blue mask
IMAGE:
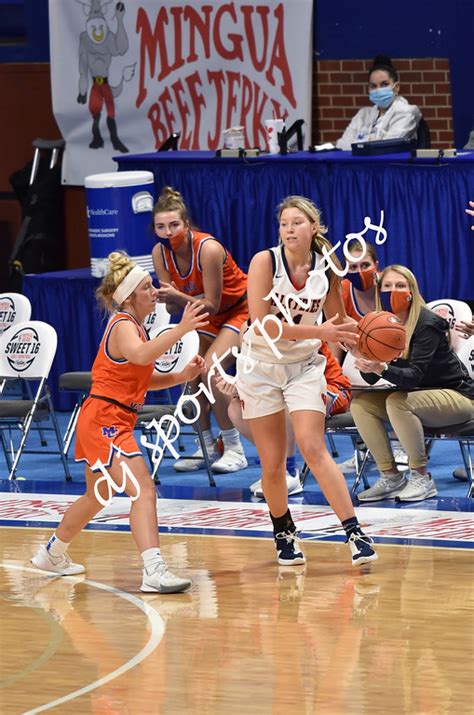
(390, 117)
(434, 389)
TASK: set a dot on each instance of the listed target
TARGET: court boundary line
(395, 541)
(157, 628)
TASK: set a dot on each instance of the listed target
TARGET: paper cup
(272, 127)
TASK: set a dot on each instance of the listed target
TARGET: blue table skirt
(423, 201)
(66, 300)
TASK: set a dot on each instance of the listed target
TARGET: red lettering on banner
(279, 59)
(198, 101)
(202, 26)
(236, 52)
(247, 12)
(216, 78)
(183, 109)
(237, 97)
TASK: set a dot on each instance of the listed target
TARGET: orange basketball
(382, 336)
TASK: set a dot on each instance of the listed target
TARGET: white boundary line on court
(157, 628)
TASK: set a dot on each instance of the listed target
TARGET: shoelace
(61, 560)
(289, 536)
(418, 479)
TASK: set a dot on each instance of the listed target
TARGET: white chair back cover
(179, 354)
(466, 354)
(453, 311)
(14, 308)
(27, 350)
(158, 318)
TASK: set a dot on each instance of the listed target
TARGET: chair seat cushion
(75, 381)
(465, 429)
(18, 409)
(344, 420)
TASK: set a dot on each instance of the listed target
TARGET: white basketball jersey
(288, 303)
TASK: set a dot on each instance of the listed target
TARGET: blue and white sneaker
(361, 548)
(288, 550)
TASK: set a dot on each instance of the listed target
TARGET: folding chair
(80, 382)
(171, 362)
(463, 434)
(26, 352)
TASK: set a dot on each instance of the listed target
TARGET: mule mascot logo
(97, 46)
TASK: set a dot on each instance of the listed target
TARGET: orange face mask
(362, 280)
(395, 301)
(175, 241)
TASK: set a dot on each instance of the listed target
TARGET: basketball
(382, 336)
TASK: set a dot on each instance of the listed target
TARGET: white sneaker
(384, 488)
(420, 486)
(55, 564)
(293, 483)
(349, 465)
(231, 461)
(161, 580)
(196, 461)
(255, 485)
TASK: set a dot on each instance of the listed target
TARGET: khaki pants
(407, 412)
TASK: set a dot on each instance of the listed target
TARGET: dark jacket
(431, 362)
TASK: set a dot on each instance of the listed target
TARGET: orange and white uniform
(350, 301)
(233, 310)
(338, 386)
(108, 416)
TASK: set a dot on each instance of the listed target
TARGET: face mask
(382, 97)
(173, 243)
(362, 281)
(395, 301)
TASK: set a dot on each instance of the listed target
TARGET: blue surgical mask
(382, 97)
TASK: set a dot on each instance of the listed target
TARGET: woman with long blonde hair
(280, 368)
(432, 389)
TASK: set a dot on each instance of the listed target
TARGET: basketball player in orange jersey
(269, 384)
(122, 373)
(434, 390)
(358, 287)
(194, 266)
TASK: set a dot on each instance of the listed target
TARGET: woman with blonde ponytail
(281, 368)
(122, 373)
(433, 390)
(193, 266)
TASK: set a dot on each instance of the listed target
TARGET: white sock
(231, 439)
(56, 547)
(208, 439)
(152, 558)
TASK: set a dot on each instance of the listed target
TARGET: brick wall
(340, 89)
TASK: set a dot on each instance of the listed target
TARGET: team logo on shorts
(109, 432)
(22, 348)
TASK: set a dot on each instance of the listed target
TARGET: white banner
(126, 75)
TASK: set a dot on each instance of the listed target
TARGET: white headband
(129, 283)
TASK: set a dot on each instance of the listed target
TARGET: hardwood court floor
(249, 638)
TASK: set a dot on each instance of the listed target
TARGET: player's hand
(343, 335)
(168, 293)
(227, 388)
(193, 369)
(466, 330)
(193, 318)
(365, 365)
(81, 98)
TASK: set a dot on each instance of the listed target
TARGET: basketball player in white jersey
(280, 367)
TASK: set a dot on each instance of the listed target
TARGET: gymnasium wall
(431, 42)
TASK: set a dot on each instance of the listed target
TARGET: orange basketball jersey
(234, 279)
(119, 379)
